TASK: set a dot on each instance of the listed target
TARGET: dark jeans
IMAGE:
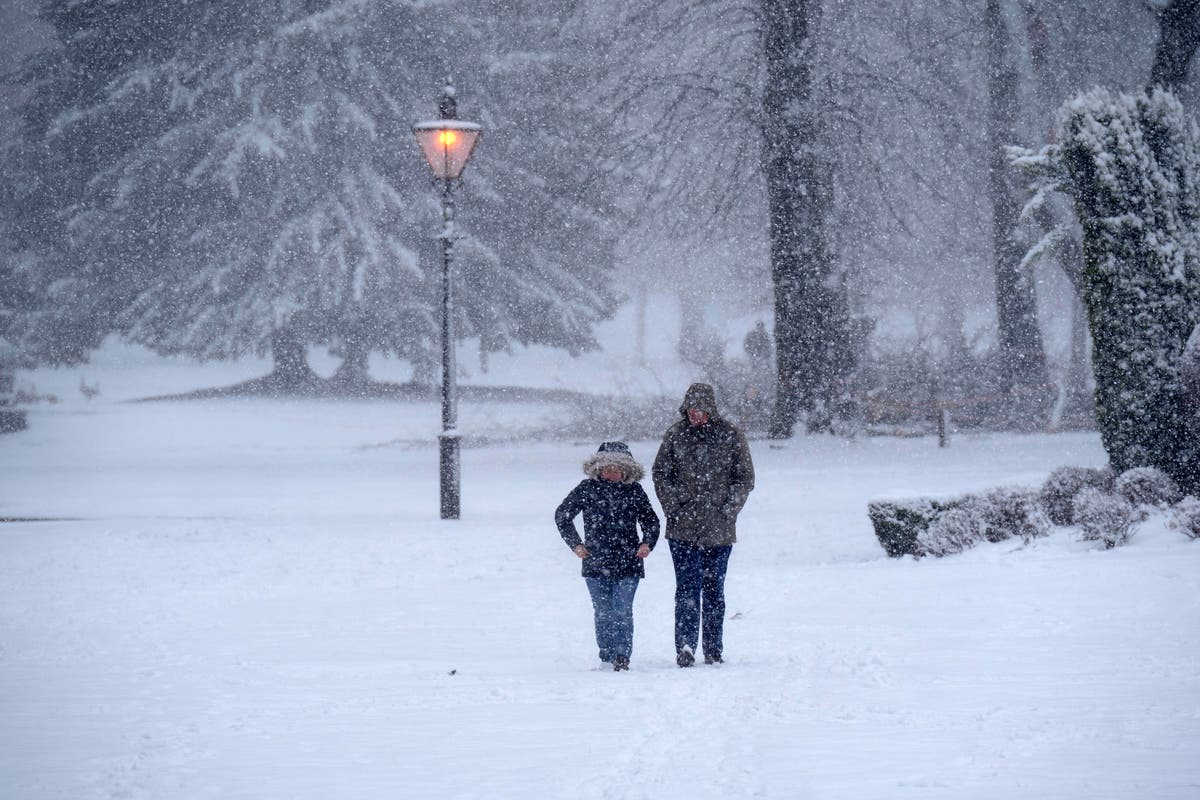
(699, 592)
(612, 601)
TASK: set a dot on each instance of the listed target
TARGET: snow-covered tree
(808, 121)
(1189, 376)
(1131, 165)
(210, 179)
(235, 178)
(813, 328)
(1179, 37)
(536, 265)
(1022, 357)
(13, 301)
(281, 166)
(49, 163)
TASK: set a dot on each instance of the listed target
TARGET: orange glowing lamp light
(447, 145)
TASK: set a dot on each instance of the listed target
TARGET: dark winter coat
(611, 512)
(703, 474)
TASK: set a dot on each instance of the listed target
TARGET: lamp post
(447, 144)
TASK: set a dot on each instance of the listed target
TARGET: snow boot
(620, 663)
(713, 659)
(685, 658)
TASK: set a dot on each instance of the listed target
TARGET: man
(702, 475)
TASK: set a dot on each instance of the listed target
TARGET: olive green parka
(703, 474)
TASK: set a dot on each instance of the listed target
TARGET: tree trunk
(1081, 400)
(1022, 357)
(352, 373)
(1179, 36)
(355, 350)
(291, 372)
(11, 419)
(1189, 393)
(640, 324)
(810, 310)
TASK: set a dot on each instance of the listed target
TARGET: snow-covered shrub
(899, 523)
(952, 531)
(1104, 517)
(1131, 165)
(1185, 517)
(1012, 513)
(1059, 490)
(902, 526)
(1147, 486)
(926, 527)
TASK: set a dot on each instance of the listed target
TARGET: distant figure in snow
(703, 475)
(613, 505)
(757, 344)
(753, 406)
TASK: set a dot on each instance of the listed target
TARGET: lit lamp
(447, 144)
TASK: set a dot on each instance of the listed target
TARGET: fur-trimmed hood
(631, 470)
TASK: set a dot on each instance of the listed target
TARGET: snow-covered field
(256, 599)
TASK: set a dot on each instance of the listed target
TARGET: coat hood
(701, 396)
(631, 470)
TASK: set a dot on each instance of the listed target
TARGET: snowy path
(259, 602)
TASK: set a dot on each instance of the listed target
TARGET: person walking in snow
(613, 505)
(702, 475)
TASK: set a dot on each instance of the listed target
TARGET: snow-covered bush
(1185, 517)
(1147, 486)
(952, 531)
(1012, 513)
(899, 523)
(926, 527)
(1104, 517)
(1058, 492)
(1131, 165)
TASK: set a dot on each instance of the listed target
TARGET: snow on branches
(1130, 163)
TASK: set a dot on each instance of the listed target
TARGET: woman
(613, 504)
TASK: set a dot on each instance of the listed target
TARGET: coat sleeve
(564, 515)
(663, 473)
(741, 481)
(647, 518)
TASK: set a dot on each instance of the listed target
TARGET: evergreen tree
(539, 234)
(222, 178)
(61, 145)
(1131, 165)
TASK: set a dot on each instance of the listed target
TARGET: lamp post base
(449, 472)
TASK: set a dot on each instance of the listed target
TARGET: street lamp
(447, 144)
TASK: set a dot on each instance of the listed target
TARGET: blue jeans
(612, 601)
(699, 592)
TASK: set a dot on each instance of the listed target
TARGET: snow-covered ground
(256, 599)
